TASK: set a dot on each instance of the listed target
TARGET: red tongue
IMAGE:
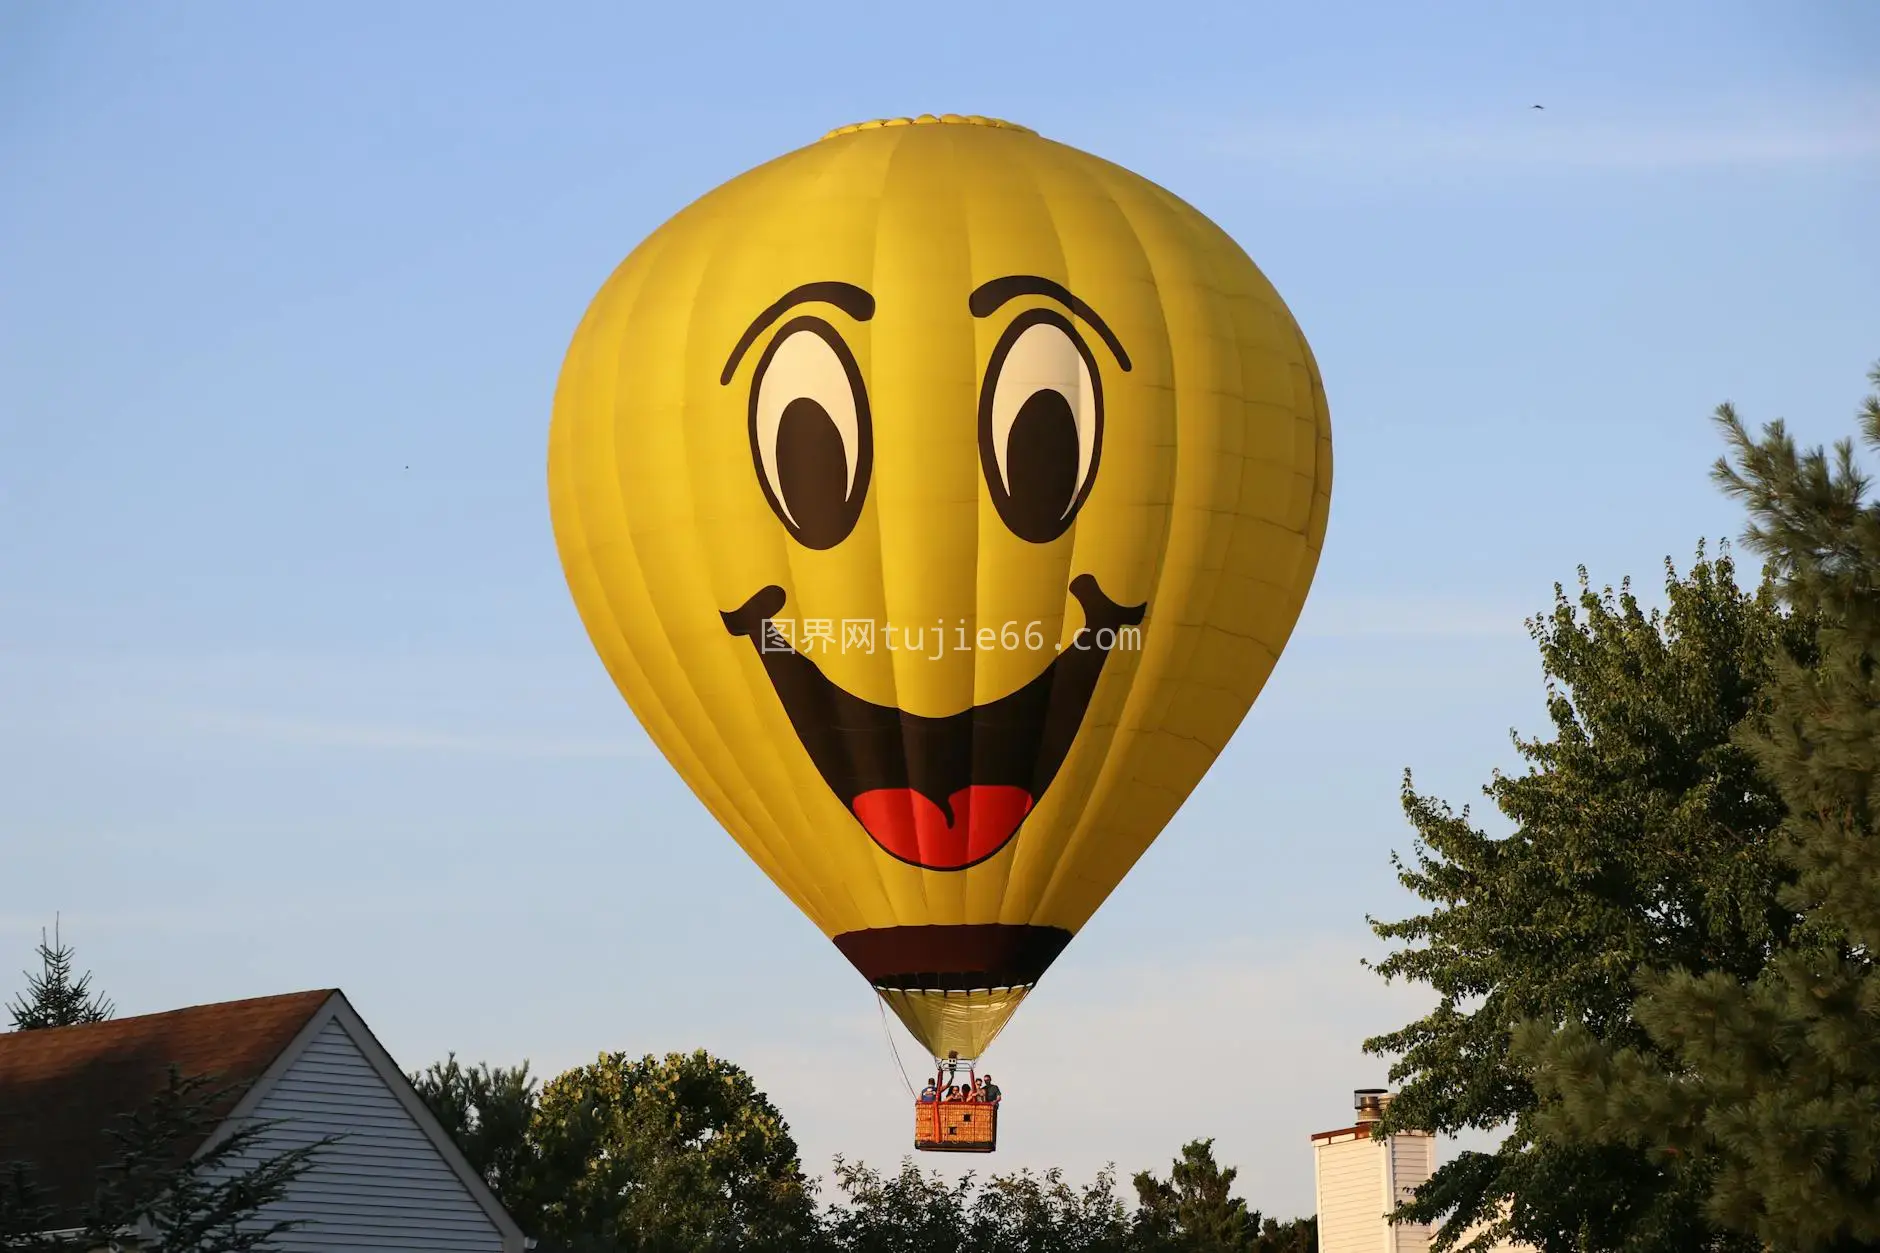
(911, 827)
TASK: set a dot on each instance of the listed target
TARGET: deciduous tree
(1763, 1086)
(910, 1211)
(1043, 1213)
(1643, 837)
(916, 1211)
(674, 1154)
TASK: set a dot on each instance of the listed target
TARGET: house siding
(1354, 1193)
(1351, 1196)
(1413, 1160)
(384, 1188)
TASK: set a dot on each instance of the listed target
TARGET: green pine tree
(490, 1112)
(1195, 1210)
(1643, 836)
(1766, 1090)
(53, 997)
(212, 1202)
(220, 1200)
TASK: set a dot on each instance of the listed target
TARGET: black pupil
(1041, 459)
(812, 467)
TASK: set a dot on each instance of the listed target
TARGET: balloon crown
(929, 119)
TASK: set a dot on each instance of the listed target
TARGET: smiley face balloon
(940, 497)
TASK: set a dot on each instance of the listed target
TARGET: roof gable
(393, 1165)
(61, 1088)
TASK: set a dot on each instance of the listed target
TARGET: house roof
(62, 1087)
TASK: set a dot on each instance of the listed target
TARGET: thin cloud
(1369, 618)
(362, 735)
(1560, 138)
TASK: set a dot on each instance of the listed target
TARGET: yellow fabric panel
(954, 1022)
(1207, 506)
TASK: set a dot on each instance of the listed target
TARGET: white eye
(1041, 422)
(810, 432)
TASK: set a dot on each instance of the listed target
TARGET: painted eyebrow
(990, 295)
(847, 297)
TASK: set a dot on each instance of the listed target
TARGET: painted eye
(812, 441)
(1040, 425)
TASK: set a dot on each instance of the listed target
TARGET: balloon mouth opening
(967, 992)
(932, 119)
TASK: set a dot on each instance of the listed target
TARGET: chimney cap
(1370, 1103)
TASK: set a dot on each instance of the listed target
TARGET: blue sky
(292, 693)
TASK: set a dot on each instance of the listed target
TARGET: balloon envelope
(940, 497)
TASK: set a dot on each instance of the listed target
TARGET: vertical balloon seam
(618, 308)
(914, 149)
(972, 875)
(1062, 871)
(1107, 778)
(862, 850)
(955, 887)
(1079, 813)
(1299, 587)
(1318, 505)
(1319, 511)
(1273, 307)
(779, 809)
(604, 310)
(909, 151)
(872, 856)
(1005, 861)
(1244, 334)
(1251, 510)
(991, 152)
(972, 1024)
(1072, 811)
(1173, 676)
(1075, 808)
(837, 850)
(610, 625)
(776, 808)
(1008, 858)
(1175, 658)
(968, 1025)
(740, 791)
(1323, 462)
(869, 508)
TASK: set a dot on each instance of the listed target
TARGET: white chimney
(1360, 1180)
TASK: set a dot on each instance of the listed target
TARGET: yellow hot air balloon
(940, 497)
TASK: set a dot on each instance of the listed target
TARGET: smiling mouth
(939, 793)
